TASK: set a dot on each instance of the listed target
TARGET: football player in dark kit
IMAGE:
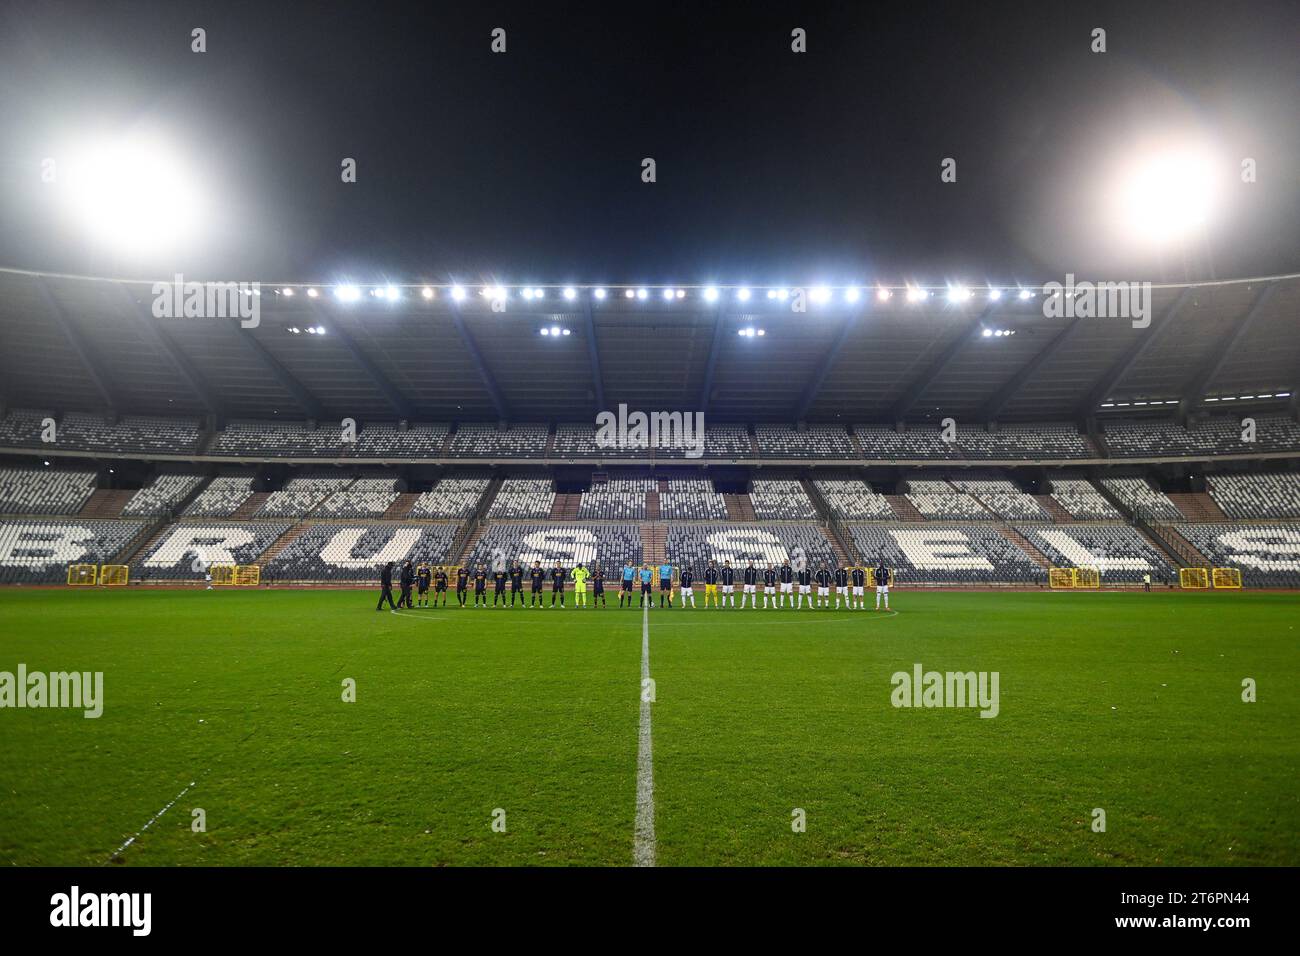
(749, 582)
(824, 578)
(499, 578)
(537, 577)
(408, 578)
(386, 587)
(728, 585)
(883, 577)
(422, 578)
(805, 587)
(462, 585)
(516, 583)
(597, 586)
(440, 586)
(480, 585)
(769, 587)
(558, 574)
(786, 577)
(859, 582)
(841, 586)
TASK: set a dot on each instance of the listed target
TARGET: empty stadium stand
(619, 499)
(781, 500)
(488, 441)
(952, 554)
(44, 491)
(694, 545)
(1118, 552)
(938, 499)
(222, 497)
(1002, 497)
(183, 551)
(333, 552)
(691, 499)
(854, 500)
(815, 441)
(38, 551)
(302, 495)
(1140, 498)
(1268, 554)
(610, 545)
(1083, 501)
(163, 494)
(523, 498)
(451, 498)
(1274, 495)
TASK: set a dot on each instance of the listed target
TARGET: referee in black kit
(386, 583)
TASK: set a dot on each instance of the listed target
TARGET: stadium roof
(81, 343)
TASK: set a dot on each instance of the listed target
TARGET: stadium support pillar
(153, 333)
(918, 386)
(706, 386)
(1143, 340)
(1194, 391)
(593, 355)
(484, 373)
(98, 376)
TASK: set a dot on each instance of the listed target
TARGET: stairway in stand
(653, 544)
(739, 508)
(1197, 506)
(251, 504)
(1054, 508)
(905, 510)
(1025, 545)
(402, 505)
(105, 504)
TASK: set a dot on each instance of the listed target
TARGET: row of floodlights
(817, 294)
(1216, 398)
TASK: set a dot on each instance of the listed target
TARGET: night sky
(772, 166)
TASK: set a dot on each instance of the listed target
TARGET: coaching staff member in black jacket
(408, 578)
(386, 583)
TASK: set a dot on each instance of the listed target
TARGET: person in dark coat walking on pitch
(386, 583)
(408, 579)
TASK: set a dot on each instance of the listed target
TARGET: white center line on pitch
(152, 820)
(643, 850)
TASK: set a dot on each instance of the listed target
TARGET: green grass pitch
(1127, 702)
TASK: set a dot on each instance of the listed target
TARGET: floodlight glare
(820, 293)
(312, 293)
(458, 293)
(987, 332)
(851, 294)
(526, 293)
(599, 293)
(287, 291)
(628, 293)
(995, 294)
(133, 195)
(555, 330)
(1168, 196)
(641, 294)
(347, 293)
(916, 295)
(958, 293)
(743, 295)
(570, 293)
(668, 294)
(1026, 294)
(710, 294)
(545, 331)
(392, 293)
(883, 294)
(427, 292)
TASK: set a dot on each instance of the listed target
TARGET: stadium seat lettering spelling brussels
(35, 551)
(173, 555)
(1268, 553)
(1118, 552)
(354, 552)
(947, 554)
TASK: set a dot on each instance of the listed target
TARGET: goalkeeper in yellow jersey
(580, 576)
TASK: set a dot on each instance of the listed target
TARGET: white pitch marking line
(153, 819)
(643, 850)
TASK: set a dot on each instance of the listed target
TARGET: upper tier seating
(1268, 554)
(1258, 496)
(44, 491)
(301, 495)
(280, 440)
(1024, 441)
(523, 498)
(854, 500)
(222, 497)
(184, 551)
(38, 551)
(1083, 501)
(487, 441)
(21, 428)
(1144, 501)
(161, 495)
(880, 442)
(1215, 436)
(619, 499)
(451, 498)
(579, 441)
(720, 441)
(365, 497)
(355, 552)
(1003, 498)
(1118, 552)
(817, 441)
(691, 499)
(131, 433)
(694, 545)
(947, 554)
(610, 545)
(387, 441)
(781, 500)
(938, 499)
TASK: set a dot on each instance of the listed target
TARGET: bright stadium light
(883, 294)
(133, 195)
(1168, 196)
(1026, 294)
(599, 293)
(743, 294)
(458, 293)
(539, 293)
(819, 294)
(392, 293)
(347, 293)
(312, 293)
(916, 295)
(851, 294)
(427, 292)
(995, 294)
(566, 332)
(987, 332)
(710, 294)
(526, 293)
(555, 330)
(668, 294)
(628, 293)
(287, 291)
(570, 293)
(641, 294)
(544, 331)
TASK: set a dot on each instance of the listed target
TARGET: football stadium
(310, 560)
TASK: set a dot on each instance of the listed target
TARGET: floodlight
(710, 294)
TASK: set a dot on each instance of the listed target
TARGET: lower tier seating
(854, 500)
(161, 495)
(1268, 554)
(610, 545)
(1118, 552)
(44, 491)
(1258, 496)
(183, 550)
(222, 497)
(696, 545)
(39, 551)
(356, 552)
(947, 554)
